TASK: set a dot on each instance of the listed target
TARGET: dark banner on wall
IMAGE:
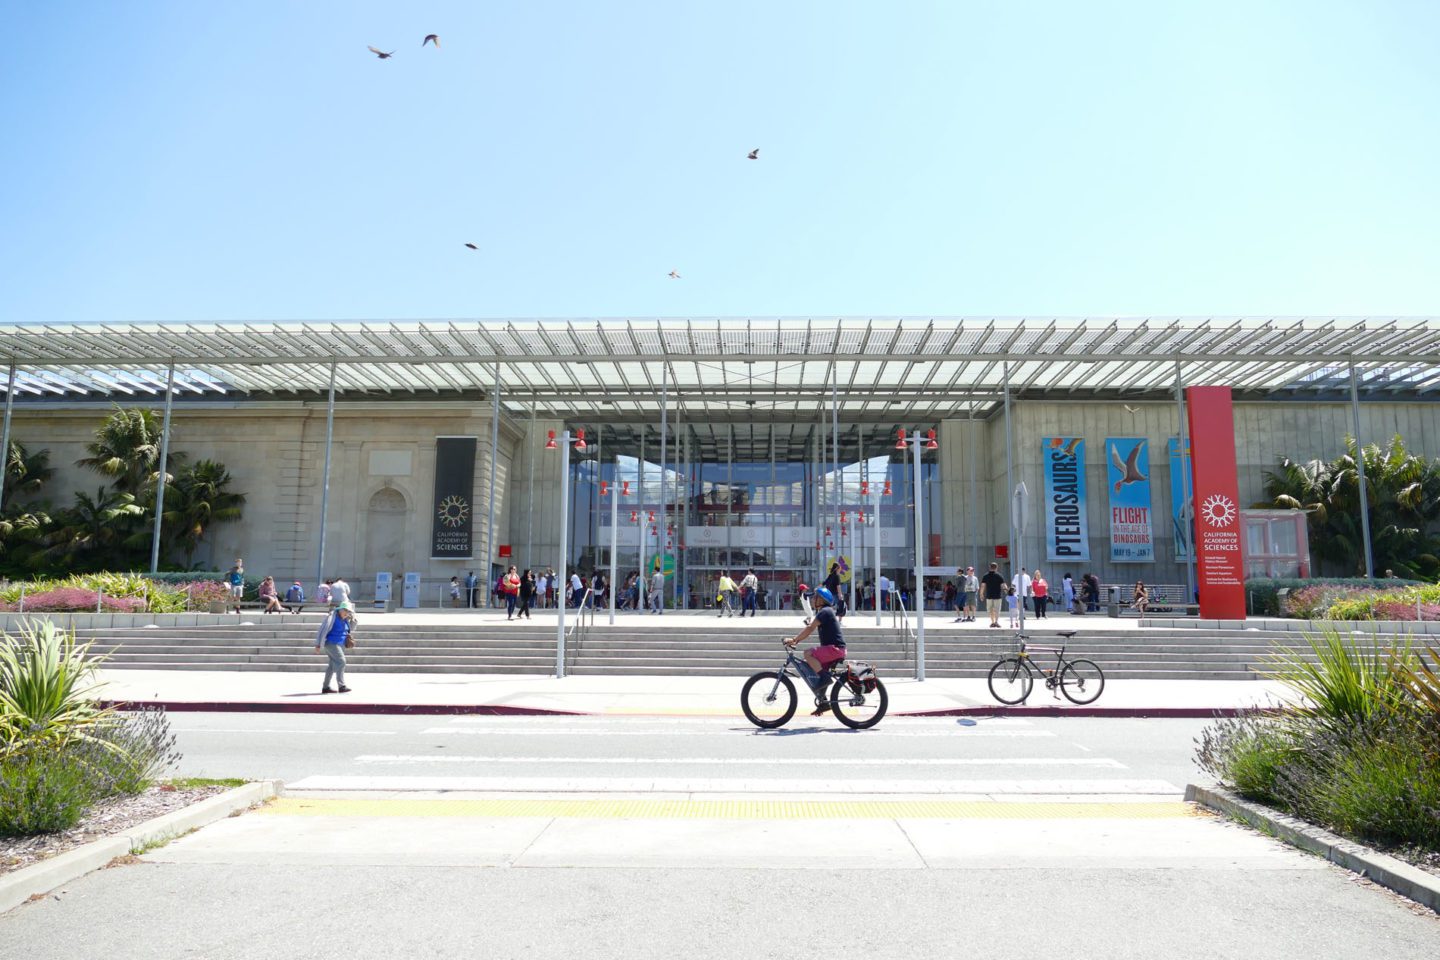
(454, 494)
(1219, 547)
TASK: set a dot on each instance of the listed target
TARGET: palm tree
(94, 529)
(126, 448)
(197, 500)
(25, 473)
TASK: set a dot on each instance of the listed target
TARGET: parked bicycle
(1012, 679)
(851, 689)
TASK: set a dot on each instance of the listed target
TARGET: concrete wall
(384, 454)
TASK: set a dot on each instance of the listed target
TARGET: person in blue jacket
(332, 636)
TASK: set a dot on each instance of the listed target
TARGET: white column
(161, 474)
(1360, 474)
(1186, 509)
(530, 439)
(614, 535)
(325, 482)
(664, 496)
(494, 456)
(562, 568)
(919, 592)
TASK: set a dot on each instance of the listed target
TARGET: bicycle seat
(1067, 634)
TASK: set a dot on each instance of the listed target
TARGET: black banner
(454, 498)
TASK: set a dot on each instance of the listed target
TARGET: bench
(1164, 598)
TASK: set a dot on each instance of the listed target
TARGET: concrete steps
(689, 648)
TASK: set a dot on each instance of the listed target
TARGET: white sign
(795, 536)
(411, 591)
(892, 536)
(707, 537)
(750, 536)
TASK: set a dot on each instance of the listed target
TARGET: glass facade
(783, 499)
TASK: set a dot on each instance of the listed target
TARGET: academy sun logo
(454, 511)
(1218, 510)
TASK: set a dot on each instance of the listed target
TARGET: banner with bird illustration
(1067, 532)
(1127, 466)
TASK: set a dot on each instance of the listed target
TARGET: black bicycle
(1012, 679)
(851, 689)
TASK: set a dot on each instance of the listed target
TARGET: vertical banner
(1067, 535)
(1179, 495)
(1219, 552)
(454, 495)
(1128, 477)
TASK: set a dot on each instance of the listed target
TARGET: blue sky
(207, 161)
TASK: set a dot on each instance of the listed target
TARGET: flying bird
(431, 38)
(381, 53)
(1129, 467)
(753, 154)
(1130, 409)
(674, 275)
(472, 246)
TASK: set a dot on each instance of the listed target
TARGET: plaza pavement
(626, 695)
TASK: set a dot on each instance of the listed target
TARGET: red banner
(1219, 534)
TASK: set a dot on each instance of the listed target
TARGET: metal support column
(1009, 462)
(1186, 509)
(614, 536)
(664, 448)
(5, 433)
(1360, 474)
(490, 497)
(919, 592)
(562, 568)
(325, 481)
(530, 438)
(161, 474)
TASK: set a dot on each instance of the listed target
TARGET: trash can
(1114, 601)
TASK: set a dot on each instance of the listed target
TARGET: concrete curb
(42, 877)
(1192, 713)
(332, 706)
(1389, 872)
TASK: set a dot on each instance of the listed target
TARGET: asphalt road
(920, 754)
(545, 837)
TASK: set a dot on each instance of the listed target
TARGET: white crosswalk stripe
(736, 785)
(1105, 762)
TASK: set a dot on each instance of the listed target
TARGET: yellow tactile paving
(638, 809)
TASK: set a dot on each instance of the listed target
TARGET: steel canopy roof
(931, 366)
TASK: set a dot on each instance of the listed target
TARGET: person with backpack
(749, 586)
(527, 594)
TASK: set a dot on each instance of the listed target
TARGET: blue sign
(1067, 534)
(1179, 496)
(1127, 473)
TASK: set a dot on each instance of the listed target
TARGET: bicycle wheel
(857, 709)
(768, 699)
(1010, 680)
(1081, 681)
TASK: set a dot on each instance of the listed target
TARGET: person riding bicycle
(831, 649)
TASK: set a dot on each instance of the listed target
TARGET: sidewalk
(291, 692)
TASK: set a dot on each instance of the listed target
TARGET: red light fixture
(634, 517)
(550, 440)
(900, 440)
(579, 439)
(864, 488)
(887, 488)
(930, 443)
(604, 489)
(625, 488)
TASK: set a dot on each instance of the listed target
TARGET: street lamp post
(875, 520)
(614, 494)
(919, 443)
(564, 442)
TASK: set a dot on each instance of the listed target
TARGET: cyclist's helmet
(826, 595)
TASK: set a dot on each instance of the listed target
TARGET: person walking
(1067, 593)
(454, 591)
(333, 638)
(550, 586)
(510, 586)
(972, 593)
(992, 587)
(236, 581)
(1012, 604)
(541, 585)
(577, 588)
(725, 595)
(950, 595)
(749, 587)
(1040, 590)
(657, 591)
(832, 583)
(472, 587)
(1021, 583)
(527, 594)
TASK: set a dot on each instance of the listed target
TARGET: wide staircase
(693, 647)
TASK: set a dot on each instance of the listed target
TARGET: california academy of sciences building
(434, 448)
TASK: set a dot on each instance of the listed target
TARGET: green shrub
(138, 746)
(43, 789)
(1247, 752)
(1264, 592)
(1344, 680)
(46, 686)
